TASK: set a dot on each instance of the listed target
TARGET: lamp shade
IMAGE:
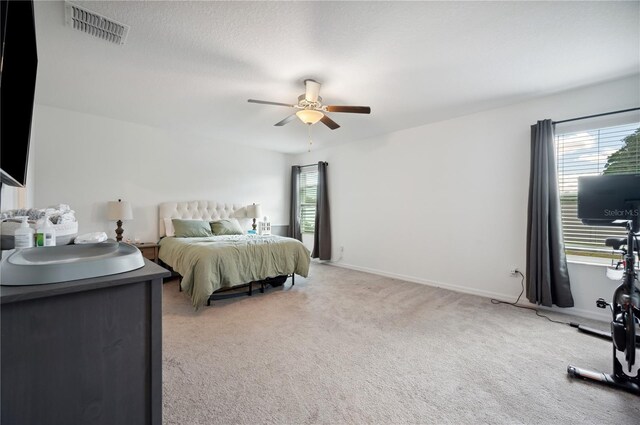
(309, 116)
(254, 211)
(119, 210)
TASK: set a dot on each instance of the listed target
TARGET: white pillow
(168, 228)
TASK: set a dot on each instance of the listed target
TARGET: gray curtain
(322, 235)
(294, 214)
(547, 274)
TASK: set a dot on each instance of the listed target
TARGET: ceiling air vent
(93, 24)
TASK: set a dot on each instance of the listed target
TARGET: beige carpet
(345, 347)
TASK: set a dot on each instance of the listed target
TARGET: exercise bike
(615, 201)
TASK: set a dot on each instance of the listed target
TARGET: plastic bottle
(39, 233)
(46, 234)
(23, 236)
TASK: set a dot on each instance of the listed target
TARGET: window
(611, 150)
(308, 185)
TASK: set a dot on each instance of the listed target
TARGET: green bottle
(39, 238)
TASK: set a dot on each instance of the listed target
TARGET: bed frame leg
(293, 279)
(208, 302)
(250, 288)
(180, 285)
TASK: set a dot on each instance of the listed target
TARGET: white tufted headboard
(203, 210)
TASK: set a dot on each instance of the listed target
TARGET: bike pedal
(601, 303)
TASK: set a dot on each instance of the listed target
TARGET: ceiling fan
(311, 109)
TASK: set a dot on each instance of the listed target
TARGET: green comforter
(208, 264)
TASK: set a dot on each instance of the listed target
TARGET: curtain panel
(322, 235)
(547, 273)
(294, 209)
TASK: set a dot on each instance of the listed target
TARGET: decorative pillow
(168, 228)
(191, 228)
(229, 226)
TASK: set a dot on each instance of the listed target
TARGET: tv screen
(605, 200)
(17, 89)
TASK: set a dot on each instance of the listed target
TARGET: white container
(24, 235)
(46, 234)
(264, 228)
(615, 274)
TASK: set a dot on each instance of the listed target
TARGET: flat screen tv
(17, 89)
(609, 200)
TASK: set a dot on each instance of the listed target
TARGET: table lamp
(119, 210)
(254, 211)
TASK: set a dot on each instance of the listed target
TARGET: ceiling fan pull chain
(310, 141)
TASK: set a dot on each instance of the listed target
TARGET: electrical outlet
(514, 271)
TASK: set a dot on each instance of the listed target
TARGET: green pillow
(226, 227)
(191, 228)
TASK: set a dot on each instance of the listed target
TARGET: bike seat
(616, 243)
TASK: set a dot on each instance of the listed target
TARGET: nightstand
(149, 250)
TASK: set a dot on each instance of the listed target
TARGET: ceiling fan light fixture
(309, 116)
(310, 108)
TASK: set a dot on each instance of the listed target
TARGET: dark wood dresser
(83, 352)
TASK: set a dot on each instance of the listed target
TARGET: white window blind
(308, 185)
(611, 150)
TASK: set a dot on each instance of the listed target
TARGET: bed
(211, 264)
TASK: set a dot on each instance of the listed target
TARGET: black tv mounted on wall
(610, 200)
(17, 89)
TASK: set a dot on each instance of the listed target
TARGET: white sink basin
(39, 266)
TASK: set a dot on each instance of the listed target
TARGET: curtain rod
(313, 165)
(596, 115)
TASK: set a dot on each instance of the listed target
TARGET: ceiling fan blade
(286, 120)
(265, 102)
(329, 123)
(312, 89)
(351, 109)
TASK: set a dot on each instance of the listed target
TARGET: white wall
(446, 203)
(13, 197)
(85, 161)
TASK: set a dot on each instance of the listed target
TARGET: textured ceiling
(191, 66)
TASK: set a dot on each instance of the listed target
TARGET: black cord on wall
(515, 304)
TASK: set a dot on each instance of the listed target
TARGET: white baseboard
(587, 314)
(473, 291)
